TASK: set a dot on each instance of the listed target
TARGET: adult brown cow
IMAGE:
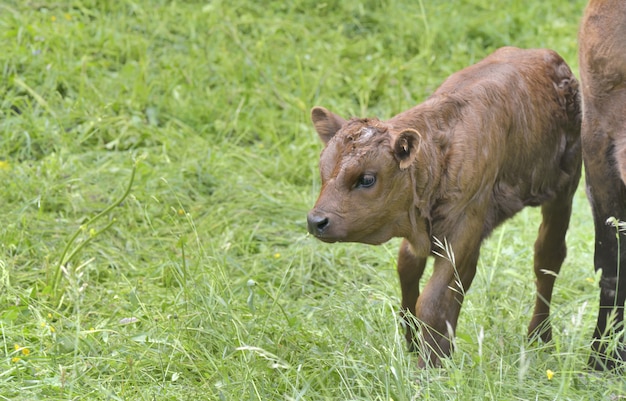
(602, 56)
(495, 137)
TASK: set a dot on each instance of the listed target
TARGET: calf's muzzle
(317, 222)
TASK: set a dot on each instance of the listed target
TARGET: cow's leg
(609, 256)
(410, 270)
(550, 251)
(439, 304)
(607, 195)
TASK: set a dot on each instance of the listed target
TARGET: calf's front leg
(438, 307)
(410, 270)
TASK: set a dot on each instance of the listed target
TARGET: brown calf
(495, 137)
(602, 41)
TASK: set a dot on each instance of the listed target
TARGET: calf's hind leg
(550, 251)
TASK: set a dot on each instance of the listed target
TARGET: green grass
(201, 282)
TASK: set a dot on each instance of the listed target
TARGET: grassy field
(157, 163)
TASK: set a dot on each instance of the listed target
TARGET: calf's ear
(406, 147)
(326, 123)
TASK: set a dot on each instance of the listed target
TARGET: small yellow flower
(49, 315)
(53, 18)
(25, 351)
(52, 330)
(4, 165)
(181, 212)
(276, 255)
(549, 374)
(16, 359)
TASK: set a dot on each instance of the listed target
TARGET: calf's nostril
(317, 224)
(322, 224)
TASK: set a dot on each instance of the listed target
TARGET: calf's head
(366, 193)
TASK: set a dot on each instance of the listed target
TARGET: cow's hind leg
(610, 257)
(410, 270)
(550, 251)
(607, 195)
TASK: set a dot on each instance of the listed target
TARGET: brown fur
(602, 41)
(494, 137)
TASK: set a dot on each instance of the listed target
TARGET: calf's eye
(366, 181)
